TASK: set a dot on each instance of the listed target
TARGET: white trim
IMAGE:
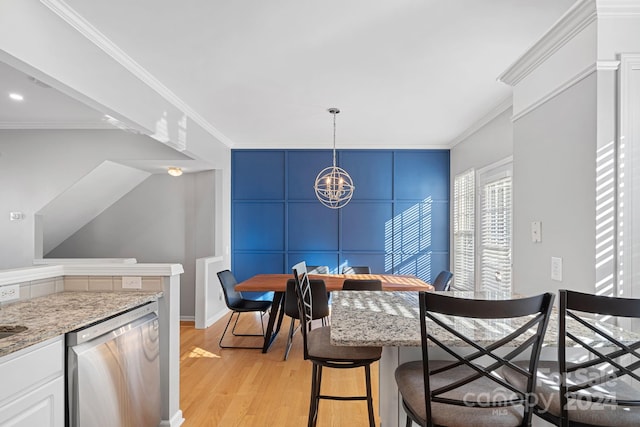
(618, 7)
(483, 121)
(123, 269)
(495, 165)
(205, 314)
(28, 274)
(58, 261)
(607, 65)
(576, 19)
(21, 275)
(628, 63)
(69, 15)
(55, 125)
(557, 91)
(175, 421)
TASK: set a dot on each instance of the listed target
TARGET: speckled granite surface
(391, 319)
(56, 314)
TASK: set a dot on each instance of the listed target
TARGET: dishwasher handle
(105, 326)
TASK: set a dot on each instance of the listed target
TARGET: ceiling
(405, 73)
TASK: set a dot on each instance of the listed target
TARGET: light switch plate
(556, 269)
(132, 282)
(536, 231)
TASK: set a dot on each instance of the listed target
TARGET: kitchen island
(391, 320)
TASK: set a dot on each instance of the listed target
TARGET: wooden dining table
(277, 283)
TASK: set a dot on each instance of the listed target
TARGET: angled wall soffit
(69, 15)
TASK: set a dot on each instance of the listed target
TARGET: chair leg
(409, 422)
(367, 373)
(233, 330)
(237, 335)
(289, 338)
(225, 330)
(316, 377)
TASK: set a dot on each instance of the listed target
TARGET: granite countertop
(383, 318)
(375, 318)
(56, 314)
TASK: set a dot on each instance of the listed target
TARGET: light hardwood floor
(240, 387)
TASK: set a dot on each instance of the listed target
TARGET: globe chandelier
(334, 187)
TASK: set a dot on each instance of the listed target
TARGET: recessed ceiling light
(173, 171)
(16, 96)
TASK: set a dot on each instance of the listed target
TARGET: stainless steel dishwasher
(113, 371)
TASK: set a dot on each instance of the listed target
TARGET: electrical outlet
(9, 293)
(132, 282)
(556, 269)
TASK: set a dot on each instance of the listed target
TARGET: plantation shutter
(464, 230)
(495, 234)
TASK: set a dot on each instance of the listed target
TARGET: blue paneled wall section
(396, 222)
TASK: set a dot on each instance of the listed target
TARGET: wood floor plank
(246, 388)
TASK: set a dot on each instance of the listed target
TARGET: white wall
(165, 219)
(491, 143)
(37, 41)
(38, 165)
(554, 175)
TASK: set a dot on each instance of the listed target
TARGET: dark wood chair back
(444, 316)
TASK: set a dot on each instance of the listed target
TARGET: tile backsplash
(38, 288)
(108, 283)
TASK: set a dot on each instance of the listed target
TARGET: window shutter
(495, 257)
(464, 230)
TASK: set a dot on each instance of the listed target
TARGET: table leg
(277, 310)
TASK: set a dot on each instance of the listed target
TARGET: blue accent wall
(396, 222)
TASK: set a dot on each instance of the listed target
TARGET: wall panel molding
(397, 223)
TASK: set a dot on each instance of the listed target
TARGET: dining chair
(443, 281)
(319, 350)
(465, 389)
(318, 269)
(358, 269)
(320, 306)
(601, 384)
(237, 304)
(362, 285)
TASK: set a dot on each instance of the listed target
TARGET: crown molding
(69, 15)
(555, 92)
(475, 127)
(576, 19)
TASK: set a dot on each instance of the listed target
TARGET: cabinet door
(42, 407)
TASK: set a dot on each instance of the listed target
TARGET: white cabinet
(32, 386)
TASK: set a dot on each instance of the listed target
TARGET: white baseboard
(175, 421)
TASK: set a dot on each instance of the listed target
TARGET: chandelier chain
(334, 112)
